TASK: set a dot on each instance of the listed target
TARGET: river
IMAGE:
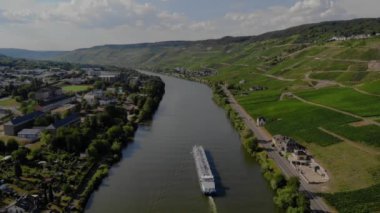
(157, 172)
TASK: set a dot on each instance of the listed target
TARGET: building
(109, 76)
(107, 101)
(14, 126)
(49, 94)
(70, 120)
(285, 144)
(261, 121)
(30, 134)
(115, 90)
(299, 157)
(93, 96)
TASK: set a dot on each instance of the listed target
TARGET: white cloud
(303, 11)
(69, 24)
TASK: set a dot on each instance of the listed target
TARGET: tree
(129, 130)
(116, 147)
(18, 170)
(12, 145)
(98, 148)
(20, 155)
(278, 181)
(46, 138)
(2, 146)
(116, 133)
(93, 152)
(51, 194)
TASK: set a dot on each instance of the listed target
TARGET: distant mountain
(173, 53)
(30, 54)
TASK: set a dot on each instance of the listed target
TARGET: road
(317, 204)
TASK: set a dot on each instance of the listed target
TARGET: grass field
(76, 88)
(284, 118)
(371, 87)
(345, 99)
(364, 134)
(9, 102)
(363, 200)
(350, 168)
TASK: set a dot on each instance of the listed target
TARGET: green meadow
(76, 88)
(345, 99)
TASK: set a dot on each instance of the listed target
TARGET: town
(61, 129)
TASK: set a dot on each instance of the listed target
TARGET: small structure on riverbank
(261, 121)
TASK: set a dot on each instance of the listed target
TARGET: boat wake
(212, 205)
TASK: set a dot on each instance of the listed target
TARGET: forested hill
(171, 52)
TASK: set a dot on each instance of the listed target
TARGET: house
(115, 90)
(14, 126)
(49, 94)
(107, 101)
(76, 81)
(30, 134)
(70, 120)
(299, 157)
(109, 76)
(285, 144)
(261, 121)
(93, 96)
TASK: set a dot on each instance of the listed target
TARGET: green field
(345, 99)
(371, 87)
(364, 134)
(76, 88)
(284, 118)
(363, 200)
(9, 102)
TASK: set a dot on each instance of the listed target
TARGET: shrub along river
(157, 172)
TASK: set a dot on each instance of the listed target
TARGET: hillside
(30, 54)
(325, 94)
(226, 49)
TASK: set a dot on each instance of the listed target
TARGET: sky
(73, 24)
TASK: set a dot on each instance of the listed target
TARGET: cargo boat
(206, 178)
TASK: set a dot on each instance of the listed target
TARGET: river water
(157, 172)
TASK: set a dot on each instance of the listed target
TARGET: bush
(12, 145)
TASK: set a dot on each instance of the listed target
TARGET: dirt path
(352, 143)
(326, 83)
(275, 77)
(337, 59)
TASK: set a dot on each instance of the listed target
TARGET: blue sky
(71, 24)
